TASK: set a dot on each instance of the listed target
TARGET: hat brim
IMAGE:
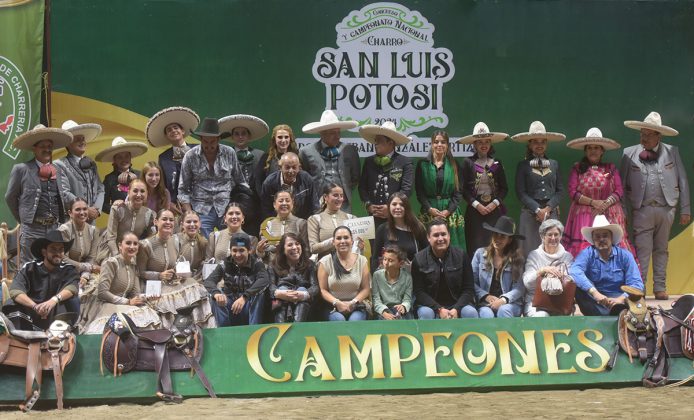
(41, 243)
(369, 132)
(317, 127)
(90, 131)
(60, 138)
(255, 126)
(494, 136)
(581, 142)
(135, 149)
(527, 136)
(491, 228)
(662, 129)
(185, 117)
(617, 233)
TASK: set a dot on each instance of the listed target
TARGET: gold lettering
(530, 362)
(430, 353)
(551, 350)
(488, 355)
(253, 354)
(394, 353)
(372, 347)
(313, 358)
(603, 354)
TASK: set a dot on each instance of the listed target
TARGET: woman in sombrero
(120, 155)
(484, 186)
(595, 188)
(538, 183)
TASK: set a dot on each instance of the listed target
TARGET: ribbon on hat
(48, 172)
(383, 160)
(330, 153)
(648, 155)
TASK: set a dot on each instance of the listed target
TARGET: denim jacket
(513, 289)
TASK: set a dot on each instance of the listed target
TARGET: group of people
(247, 236)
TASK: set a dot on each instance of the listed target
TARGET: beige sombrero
(185, 117)
(255, 126)
(481, 131)
(328, 121)
(652, 122)
(90, 131)
(537, 131)
(370, 131)
(600, 223)
(26, 141)
(593, 136)
(120, 145)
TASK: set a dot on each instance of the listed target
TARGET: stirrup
(29, 402)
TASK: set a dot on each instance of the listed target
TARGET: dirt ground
(633, 403)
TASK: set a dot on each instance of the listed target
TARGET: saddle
(655, 335)
(125, 347)
(37, 351)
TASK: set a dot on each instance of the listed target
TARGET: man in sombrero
(655, 183)
(81, 176)
(33, 191)
(330, 160)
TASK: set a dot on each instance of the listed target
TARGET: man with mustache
(33, 192)
(291, 178)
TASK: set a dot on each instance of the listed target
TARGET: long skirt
(476, 236)
(581, 216)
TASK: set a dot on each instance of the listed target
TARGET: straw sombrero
(481, 131)
(26, 141)
(328, 121)
(537, 131)
(185, 117)
(120, 145)
(652, 122)
(90, 131)
(369, 132)
(600, 223)
(255, 126)
(593, 136)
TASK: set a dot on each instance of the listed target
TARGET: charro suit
(171, 171)
(77, 182)
(347, 167)
(378, 183)
(653, 191)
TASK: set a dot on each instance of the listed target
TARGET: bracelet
(57, 299)
(60, 299)
(335, 302)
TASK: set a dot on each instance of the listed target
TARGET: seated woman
(241, 299)
(402, 228)
(218, 244)
(157, 261)
(320, 226)
(273, 228)
(118, 291)
(85, 239)
(392, 286)
(548, 258)
(133, 216)
(193, 244)
(344, 280)
(293, 283)
(498, 272)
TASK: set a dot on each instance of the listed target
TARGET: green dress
(441, 196)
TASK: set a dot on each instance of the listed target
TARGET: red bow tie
(648, 156)
(47, 172)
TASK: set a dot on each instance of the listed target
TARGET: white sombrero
(90, 131)
(185, 117)
(601, 223)
(328, 121)
(26, 141)
(481, 131)
(593, 136)
(255, 126)
(370, 131)
(120, 145)
(652, 122)
(537, 131)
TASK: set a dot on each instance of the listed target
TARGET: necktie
(648, 156)
(382, 160)
(330, 153)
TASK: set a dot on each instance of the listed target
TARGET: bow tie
(648, 155)
(86, 163)
(330, 153)
(383, 160)
(48, 172)
(244, 156)
(539, 163)
(179, 152)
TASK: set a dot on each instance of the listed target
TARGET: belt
(46, 221)
(654, 203)
(542, 203)
(485, 198)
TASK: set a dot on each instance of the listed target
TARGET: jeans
(589, 307)
(210, 221)
(467, 311)
(408, 315)
(507, 310)
(251, 314)
(357, 315)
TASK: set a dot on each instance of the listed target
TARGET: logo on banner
(15, 106)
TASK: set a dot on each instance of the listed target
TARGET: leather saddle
(125, 347)
(37, 351)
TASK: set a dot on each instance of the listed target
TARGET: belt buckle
(486, 198)
(46, 221)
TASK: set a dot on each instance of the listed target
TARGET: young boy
(392, 287)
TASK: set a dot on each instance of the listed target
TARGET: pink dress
(599, 182)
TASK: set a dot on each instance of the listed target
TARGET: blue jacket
(513, 289)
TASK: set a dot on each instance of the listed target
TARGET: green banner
(21, 58)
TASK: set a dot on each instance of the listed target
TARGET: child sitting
(392, 286)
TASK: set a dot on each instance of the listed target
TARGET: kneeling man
(600, 270)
